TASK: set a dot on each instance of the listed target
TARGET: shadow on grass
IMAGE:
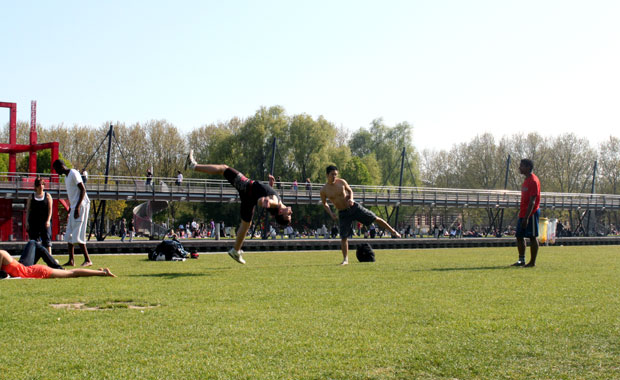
(470, 268)
(169, 275)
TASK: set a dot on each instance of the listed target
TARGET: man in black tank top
(252, 193)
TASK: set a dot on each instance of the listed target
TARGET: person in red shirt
(16, 269)
(529, 213)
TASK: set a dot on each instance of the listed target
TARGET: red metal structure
(7, 215)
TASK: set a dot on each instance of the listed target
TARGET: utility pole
(501, 219)
(400, 184)
(101, 229)
(271, 170)
(592, 191)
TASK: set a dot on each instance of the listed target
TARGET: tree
(308, 145)
(4, 163)
(532, 146)
(166, 148)
(356, 173)
(386, 143)
(572, 164)
(255, 139)
(216, 144)
(483, 163)
(44, 162)
(609, 166)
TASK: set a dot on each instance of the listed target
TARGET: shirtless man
(252, 193)
(338, 191)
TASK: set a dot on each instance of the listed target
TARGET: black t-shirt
(39, 210)
(249, 191)
(256, 190)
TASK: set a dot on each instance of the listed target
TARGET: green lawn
(414, 314)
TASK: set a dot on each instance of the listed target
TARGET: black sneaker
(519, 264)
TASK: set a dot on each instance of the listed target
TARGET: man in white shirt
(77, 220)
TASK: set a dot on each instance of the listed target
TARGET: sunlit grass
(434, 314)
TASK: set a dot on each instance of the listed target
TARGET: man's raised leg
(385, 225)
(191, 163)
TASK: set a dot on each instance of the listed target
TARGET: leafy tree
(4, 163)
(44, 162)
(308, 142)
(386, 143)
(532, 146)
(356, 173)
(609, 166)
(166, 146)
(571, 168)
(256, 136)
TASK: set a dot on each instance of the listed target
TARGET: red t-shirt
(17, 269)
(530, 188)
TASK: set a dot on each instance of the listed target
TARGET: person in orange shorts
(17, 269)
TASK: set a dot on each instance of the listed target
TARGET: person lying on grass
(17, 269)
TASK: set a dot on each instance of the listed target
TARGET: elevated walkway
(220, 191)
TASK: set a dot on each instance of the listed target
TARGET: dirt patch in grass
(104, 305)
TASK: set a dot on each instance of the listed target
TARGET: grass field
(414, 314)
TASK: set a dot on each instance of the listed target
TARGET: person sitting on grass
(34, 251)
(16, 269)
(252, 193)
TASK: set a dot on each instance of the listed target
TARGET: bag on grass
(168, 250)
(365, 254)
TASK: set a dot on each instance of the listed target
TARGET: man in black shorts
(252, 193)
(338, 191)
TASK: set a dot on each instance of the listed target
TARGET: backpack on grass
(168, 250)
(365, 254)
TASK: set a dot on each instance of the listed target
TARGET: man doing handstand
(252, 193)
(338, 191)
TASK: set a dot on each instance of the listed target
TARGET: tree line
(306, 145)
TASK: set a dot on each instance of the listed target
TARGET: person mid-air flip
(252, 193)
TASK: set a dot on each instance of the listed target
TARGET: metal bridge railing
(20, 186)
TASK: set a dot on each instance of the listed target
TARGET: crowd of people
(351, 219)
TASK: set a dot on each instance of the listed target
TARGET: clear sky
(452, 69)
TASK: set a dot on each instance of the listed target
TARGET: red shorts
(17, 269)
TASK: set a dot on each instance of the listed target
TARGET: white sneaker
(236, 255)
(189, 161)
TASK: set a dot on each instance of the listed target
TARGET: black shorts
(238, 180)
(243, 185)
(348, 216)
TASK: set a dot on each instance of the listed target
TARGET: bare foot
(87, 264)
(344, 263)
(108, 273)
(68, 264)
